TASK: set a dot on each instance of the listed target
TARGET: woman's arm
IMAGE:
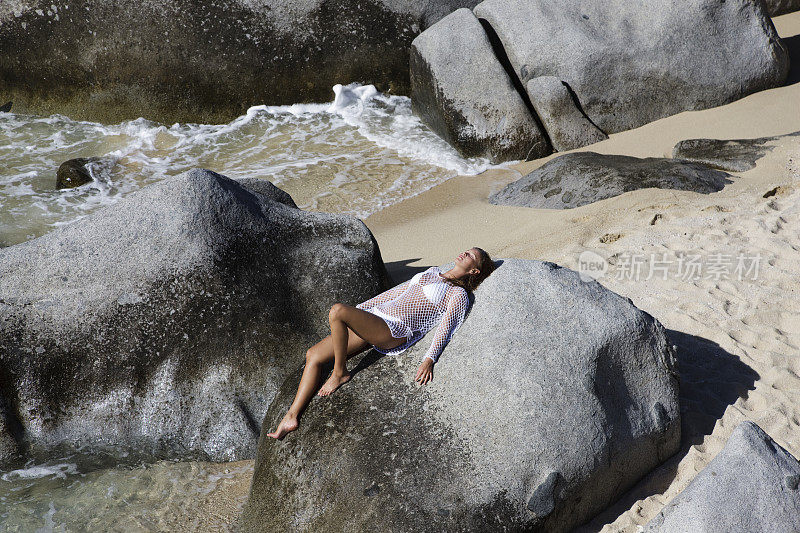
(383, 297)
(453, 317)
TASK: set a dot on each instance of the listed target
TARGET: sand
(737, 331)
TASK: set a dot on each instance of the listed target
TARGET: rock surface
(76, 172)
(463, 93)
(630, 63)
(266, 188)
(566, 125)
(779, 7)
(737, 155)
(201, 61)
(164, 324)
(580, 178)
(751, 485)
(553, 397)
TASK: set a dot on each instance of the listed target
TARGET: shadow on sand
(711, 380)
(401, 271)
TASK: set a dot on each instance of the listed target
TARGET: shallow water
(71, 494)
(361, 153)
(356, 155)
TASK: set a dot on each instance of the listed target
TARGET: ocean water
(356, 154)
(76, 494)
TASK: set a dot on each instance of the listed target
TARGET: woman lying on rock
(391, 322)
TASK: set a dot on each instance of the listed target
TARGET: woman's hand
(425, 371)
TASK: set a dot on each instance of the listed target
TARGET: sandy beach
(737, 332)
(720, 271)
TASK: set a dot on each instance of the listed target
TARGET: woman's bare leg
(324, 352)
(345, 318)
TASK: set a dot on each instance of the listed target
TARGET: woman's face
(469, 259)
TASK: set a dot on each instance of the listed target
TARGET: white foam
(366, 146)
(350, 95)
(59, 471)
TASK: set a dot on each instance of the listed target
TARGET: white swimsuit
(411, 309)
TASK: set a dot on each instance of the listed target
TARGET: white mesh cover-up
(412, 308)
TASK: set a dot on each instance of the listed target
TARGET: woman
(391, 322)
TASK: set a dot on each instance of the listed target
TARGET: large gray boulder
(163, 325)
(737, 155)
(751, 485)
(566, 125)
(630, 63)
(201, 60)
(580, 178)
(553, 398)
(462, 92)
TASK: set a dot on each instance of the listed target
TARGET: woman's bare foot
(333, 383)
(288, 424)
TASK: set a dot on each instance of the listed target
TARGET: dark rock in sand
(76, 172)
(566, 125)
(751, 485)
(5, 108)
(201, 60)
(553, 398)
(163, 325)
(737, 155)
(580, 178)
(630, 63)
(463, 93)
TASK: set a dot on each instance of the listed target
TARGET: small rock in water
(75, 172)
(6, 108)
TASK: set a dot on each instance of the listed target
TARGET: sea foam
(356, 155)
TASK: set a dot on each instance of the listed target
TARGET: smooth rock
(737, 155)
(542, 411)
(163, 325)
(266, 188)
(751, 485)
(461, 91)
(566, 125)
(202, 61)
(630, 63)
(76, 172)
(580, 178)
